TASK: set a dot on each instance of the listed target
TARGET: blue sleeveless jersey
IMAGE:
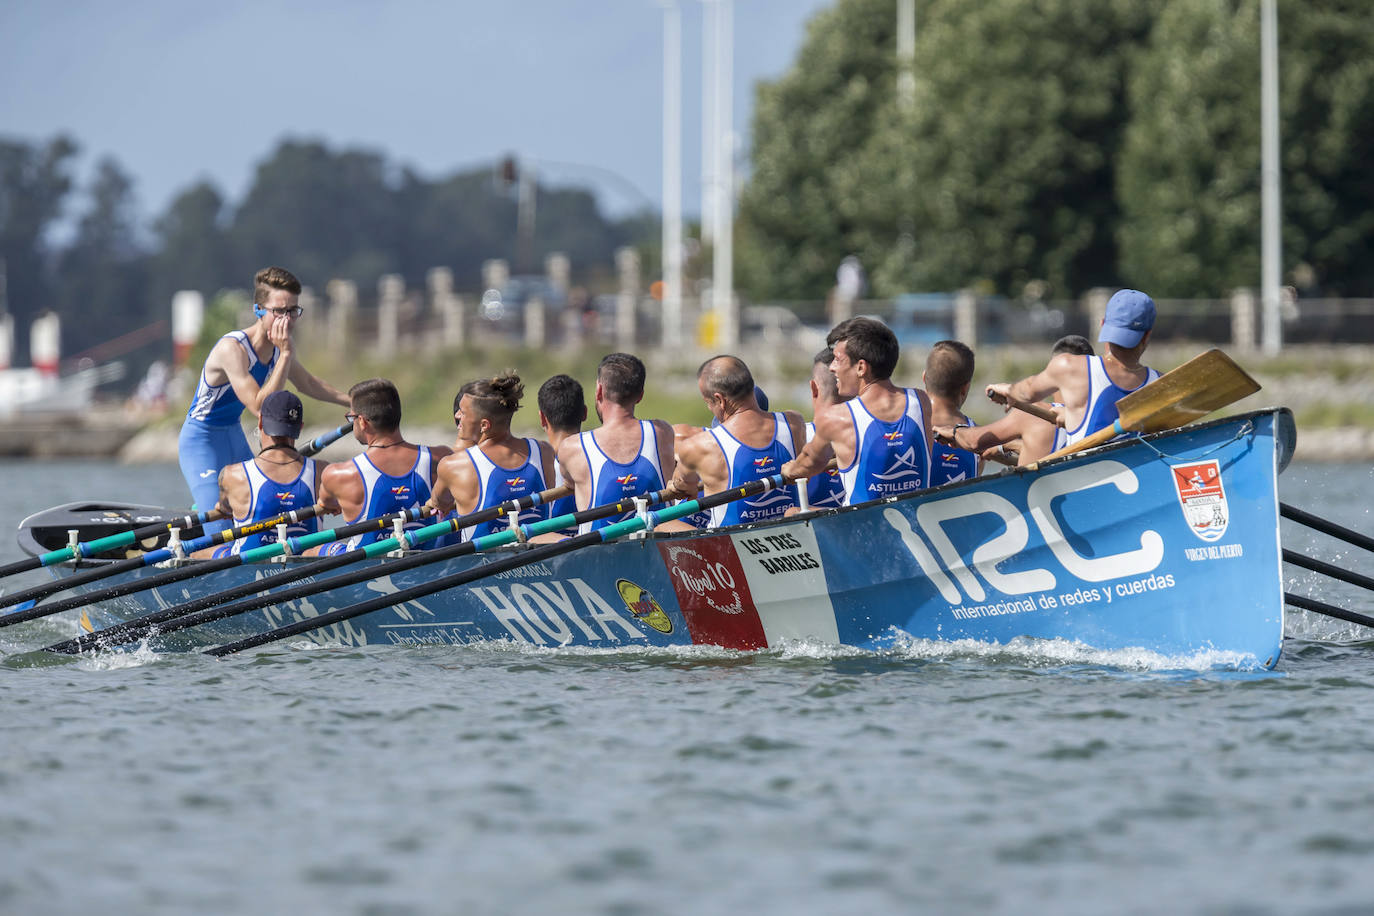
(1102, 397)
(890, 458)
(499, 485)
(613, 480)
(824, 489)
(270, 499)
(218, 405)
(746, 464)
(948, 464)
(385, 494)
(564, 505)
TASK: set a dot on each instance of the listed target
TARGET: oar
(1325, 527)
(609, 533)
(1035, 410)
(1203, 384)
(110, 542)
(167, 619)
(1326, 569)
(323, 441)
(150, 558)
(1329, 610)
(202, 567)
(161, 623)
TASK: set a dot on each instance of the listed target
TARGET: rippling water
(490, 779)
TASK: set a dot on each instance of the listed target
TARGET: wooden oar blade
(1207, 382)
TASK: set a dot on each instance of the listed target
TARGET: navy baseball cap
(1130, 313)
(281, 414)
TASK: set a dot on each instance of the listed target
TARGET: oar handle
(1035, 410)
(323, 441)
(1101, 437)
(611, 532)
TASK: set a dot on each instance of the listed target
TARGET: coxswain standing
(243, 368)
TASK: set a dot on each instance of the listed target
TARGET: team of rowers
(868, 438)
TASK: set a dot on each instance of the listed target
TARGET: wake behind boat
(1166, 543)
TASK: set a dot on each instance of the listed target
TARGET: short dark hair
(379, 401)
(727, 376)
(829, 385)
(562, 402)
(467, 388)
(273, 278)
(497, 398)
(622, 378)
(869, 340)
(1076, 344)
(949, 367)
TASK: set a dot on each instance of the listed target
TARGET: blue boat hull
(1169, 544)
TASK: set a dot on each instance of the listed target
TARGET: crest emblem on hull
(643, 606)
(1202, 498)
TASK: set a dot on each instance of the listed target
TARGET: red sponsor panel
(713, 593)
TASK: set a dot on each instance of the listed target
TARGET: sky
(179, 92)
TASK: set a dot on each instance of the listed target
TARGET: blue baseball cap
(281, 414)
(1130, 313)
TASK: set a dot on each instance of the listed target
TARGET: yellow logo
(643, 606)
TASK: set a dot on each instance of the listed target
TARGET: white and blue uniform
(890, 459)
(614, 480)
(825, 488)
(1103, 394)
(212, 435)
(745, 463)
(948, 464)
(270, 499)
(386, 494)
(498, 485)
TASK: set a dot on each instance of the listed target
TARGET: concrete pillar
(534, 323)
(343, 305)
(1095, 304)
(391, 290)
(627, 301)
(558, 269)
(447, 306)
(966, 318)
(495, 274)
(1243, 324)
(45, 343)
(6, 340)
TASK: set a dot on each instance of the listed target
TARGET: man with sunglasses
(243, 368)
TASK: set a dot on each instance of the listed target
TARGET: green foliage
(1079, 142)
(34, 183)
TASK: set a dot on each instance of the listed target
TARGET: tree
(34, 183)
(102, 274)
(1190, 167)
(193, 246)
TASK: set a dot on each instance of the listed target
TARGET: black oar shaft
(128, 587)
(1329, 610)
(1316, 523)
(1327, 569)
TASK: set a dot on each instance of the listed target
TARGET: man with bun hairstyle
(243, 368)
(277, 480)
(500, 466)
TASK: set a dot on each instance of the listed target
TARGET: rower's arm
(311, 386)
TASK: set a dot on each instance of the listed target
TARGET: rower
(1030, 436)
(243, 368)
(1090, 386)
(947, 377)
(389, 476)
(276, 481)
(745, 444)
(880, 435)
(500, 467)
(824, 490)
(625, 456)
(562, 411)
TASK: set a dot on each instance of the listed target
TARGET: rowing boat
(1166, 543)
